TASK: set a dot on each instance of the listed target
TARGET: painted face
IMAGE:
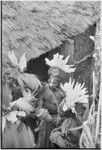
(55, 72)
(58, 73)
(54, 81)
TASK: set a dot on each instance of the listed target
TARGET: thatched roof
(36, 27)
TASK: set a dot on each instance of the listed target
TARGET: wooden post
(97, 62)
(97, 77)
(69, 49)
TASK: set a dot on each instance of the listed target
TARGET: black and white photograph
(51, 74)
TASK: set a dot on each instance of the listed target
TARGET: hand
(44, 114)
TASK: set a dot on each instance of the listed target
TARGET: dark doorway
(38, 65)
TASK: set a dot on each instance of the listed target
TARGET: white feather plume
(24, 103)
(12, 116)
(74, 93)
(61, 63)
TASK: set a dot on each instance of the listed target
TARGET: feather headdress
(24, 103)
(60, 63)
(22, 64)
(74, 93)
(12, 116)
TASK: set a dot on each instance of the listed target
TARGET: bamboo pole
(97, 63)
(97, 77)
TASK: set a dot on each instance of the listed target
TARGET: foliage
(13, 58)
(87, 139)
(19, 108)
(28, 80)
(15, 71)
(6, 94)
(17, 135)
(22, 63)
(18, 102)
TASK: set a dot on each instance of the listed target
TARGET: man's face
(54, 81)
(55, 75)
(53, 71)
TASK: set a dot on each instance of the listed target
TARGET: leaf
(86, 139)
(30, 80)
(18, 136)
(28, 94)
(31, 137)
(23, 63)
(28, 137)
(3, 123)
(13, 58)
(20, 81)
(6, 94)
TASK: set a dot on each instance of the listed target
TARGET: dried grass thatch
(36, 27)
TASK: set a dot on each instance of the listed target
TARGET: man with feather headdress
(56, 98)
